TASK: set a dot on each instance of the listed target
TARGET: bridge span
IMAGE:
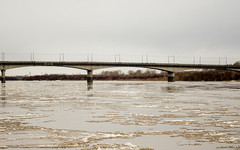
(170, 68)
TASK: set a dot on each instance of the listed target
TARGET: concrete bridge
(170, 68)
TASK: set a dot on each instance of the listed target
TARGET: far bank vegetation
(147, 75)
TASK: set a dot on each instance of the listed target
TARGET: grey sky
(126, 27)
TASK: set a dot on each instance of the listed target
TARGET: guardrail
(63, 57)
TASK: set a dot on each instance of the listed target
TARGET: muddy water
(120, 115)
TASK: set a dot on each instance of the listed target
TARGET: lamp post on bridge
(173, 57)
(3, 56)
(89, 57)
(61, 57)
(220, 60)
(117, 58)
(32, 56)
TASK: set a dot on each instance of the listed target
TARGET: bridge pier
(171, 77)
(3, 76)
(89, 79)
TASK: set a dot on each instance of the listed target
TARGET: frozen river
(120, 115)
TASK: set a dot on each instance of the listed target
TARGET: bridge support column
(89, 79)
(171, 77)
(3, 76)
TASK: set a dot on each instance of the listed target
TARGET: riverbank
(208, 75)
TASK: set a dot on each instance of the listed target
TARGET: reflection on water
(120, 115)
(3, 94)
(172, 88)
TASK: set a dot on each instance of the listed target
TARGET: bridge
(170, 68)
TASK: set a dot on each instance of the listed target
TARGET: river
(120, 115)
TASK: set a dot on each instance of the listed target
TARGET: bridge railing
(117, 58)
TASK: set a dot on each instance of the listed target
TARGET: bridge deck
(117, 64)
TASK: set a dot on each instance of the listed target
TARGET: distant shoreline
(207, 75)
(128, 80)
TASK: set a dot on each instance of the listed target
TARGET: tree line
(204, 75)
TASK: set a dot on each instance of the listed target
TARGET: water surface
(120, 115)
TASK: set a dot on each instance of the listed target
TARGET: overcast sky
(127, 27)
